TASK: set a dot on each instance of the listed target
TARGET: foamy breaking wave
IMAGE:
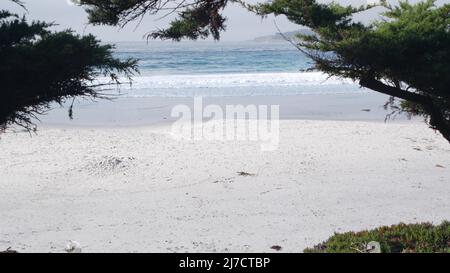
(235, 80)
(237, 84)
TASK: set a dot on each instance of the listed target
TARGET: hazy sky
(242, 25)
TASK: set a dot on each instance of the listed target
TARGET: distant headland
(281, 36)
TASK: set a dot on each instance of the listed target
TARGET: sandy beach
(136, 189)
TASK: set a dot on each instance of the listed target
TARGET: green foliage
(415, 40)
(200, 21)
(39, 67)
(196, 19)
(402, 238)
(307, 12)
(114, 12)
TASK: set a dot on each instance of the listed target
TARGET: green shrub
(401, 238)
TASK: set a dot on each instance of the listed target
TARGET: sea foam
(237, 84)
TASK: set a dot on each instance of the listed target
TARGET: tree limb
(437, 119)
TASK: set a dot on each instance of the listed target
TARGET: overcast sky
(242, 25)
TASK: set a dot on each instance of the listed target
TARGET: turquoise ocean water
(224, 69)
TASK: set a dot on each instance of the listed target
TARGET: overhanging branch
(378, 86)
(437, 119)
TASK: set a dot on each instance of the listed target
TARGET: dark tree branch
(437, 118)
(37, 70)
(371, 83)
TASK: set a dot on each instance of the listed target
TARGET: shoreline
(150, 111)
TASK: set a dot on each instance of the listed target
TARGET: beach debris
(225, 180)
(373, 247)
(108, 164)
(417, 149)
(366, 110)
(112, 163)
(439, 166)
(73, 247)
(276, 247)
(246, 174)
(9, 250)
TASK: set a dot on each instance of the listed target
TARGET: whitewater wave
(235, 80)
(237, 84)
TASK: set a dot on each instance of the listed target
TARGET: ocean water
(186, 69)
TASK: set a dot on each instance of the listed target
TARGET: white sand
(136, 189)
